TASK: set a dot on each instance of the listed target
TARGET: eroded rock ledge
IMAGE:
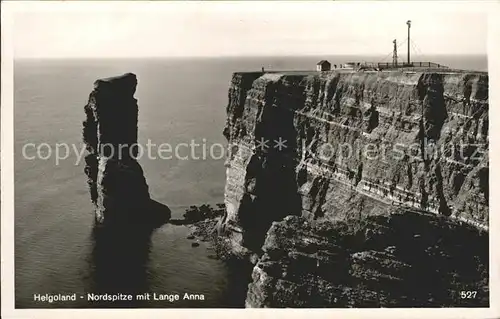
(406, 259)
(430, 133)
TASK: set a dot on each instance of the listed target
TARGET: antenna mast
(395, 54)
(409, 25)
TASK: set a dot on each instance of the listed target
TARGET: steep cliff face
(116, 180)
(355, 143)
(344, 146)
(405, 259)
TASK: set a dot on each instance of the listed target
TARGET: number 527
(468, 294)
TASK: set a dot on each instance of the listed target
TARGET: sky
(150, 29)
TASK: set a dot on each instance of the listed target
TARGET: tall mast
(409, 25)
(395, 54)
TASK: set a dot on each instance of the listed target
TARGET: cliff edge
(346, 147)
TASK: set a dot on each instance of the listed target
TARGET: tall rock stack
(116, 180)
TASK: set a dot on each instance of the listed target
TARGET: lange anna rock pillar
(117, 185)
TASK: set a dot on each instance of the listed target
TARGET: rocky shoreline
(203, 221)
(383, 261)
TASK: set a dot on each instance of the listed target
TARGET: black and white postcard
(331, 157)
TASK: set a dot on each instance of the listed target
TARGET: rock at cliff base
(385, 263)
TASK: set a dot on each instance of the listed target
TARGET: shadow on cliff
(120, 254)
(271, 180)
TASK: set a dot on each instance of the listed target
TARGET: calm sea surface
(180, 100)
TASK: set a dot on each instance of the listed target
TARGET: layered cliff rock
(116, 180)
(347, 146)
(404, 259)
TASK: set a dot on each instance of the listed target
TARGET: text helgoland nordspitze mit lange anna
(173, 297)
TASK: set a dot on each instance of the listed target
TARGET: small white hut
(323, 65)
